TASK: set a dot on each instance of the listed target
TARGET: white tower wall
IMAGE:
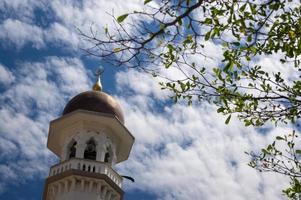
(73, 138)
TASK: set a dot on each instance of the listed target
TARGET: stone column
(101, 150)
(80, 150)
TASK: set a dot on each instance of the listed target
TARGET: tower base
(78, 185)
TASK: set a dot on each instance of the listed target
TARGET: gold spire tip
(97, 85)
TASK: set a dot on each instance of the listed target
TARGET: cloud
(148, 87)
(21, 9)
(189, 153)
(64, 17)
(18, 33)
(6, 77)
(180, 152)
(61, 36)
(37, 96)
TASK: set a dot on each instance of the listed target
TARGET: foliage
(176, 31)
(285, 161)
(174, 35)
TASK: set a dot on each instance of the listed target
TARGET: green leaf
(249, 38)
(253, 8)
(236, 43)
(298, 151)
(264, 151)
(180, 22)
(279, 138)
(228, 66)
(116, 50)
(170, 47)
(228, 119)
(182, 85)
(241, 9)
(207, 35)
(221, 109)
(162, 26)
(121, 18)
(208, 21)
(147, 1)
(248, 123)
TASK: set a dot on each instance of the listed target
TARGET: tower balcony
(84, 165)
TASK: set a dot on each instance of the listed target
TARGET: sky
(180, 152)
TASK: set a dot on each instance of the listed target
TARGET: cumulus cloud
(18, 33)
(62, 36)
(6, 77)
(21, 9)
(189, 153)
(148, 87)
(67, 17)
(27, 106)
(180, 152)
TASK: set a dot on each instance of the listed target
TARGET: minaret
(89, 138)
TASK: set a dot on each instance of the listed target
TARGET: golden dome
(95, 101)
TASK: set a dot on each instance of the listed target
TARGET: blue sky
(180, 152)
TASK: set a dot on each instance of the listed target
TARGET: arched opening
(72, 149)
(90, 151)
(108, 155)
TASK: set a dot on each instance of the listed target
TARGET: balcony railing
(87, 166)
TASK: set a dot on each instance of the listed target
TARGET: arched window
(108, 155)
(90, 151)
(72, 150)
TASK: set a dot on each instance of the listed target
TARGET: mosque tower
(89, 138)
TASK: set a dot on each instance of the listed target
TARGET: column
(91, 186)
(104, 192)
(80, 150)
(73, 184)
(82, 187)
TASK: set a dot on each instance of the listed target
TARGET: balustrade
(87, 166)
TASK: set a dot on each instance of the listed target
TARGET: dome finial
(97, 85)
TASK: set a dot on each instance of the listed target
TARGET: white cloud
(272, 64)
(18, 33)
(36, 97)
(86, 12)
(62, 36)
(180, 152)
(189, 153)
(36, 86)
(66, 17)
(6, 77)
(21, 9)
(84, 15)
(141, 84)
